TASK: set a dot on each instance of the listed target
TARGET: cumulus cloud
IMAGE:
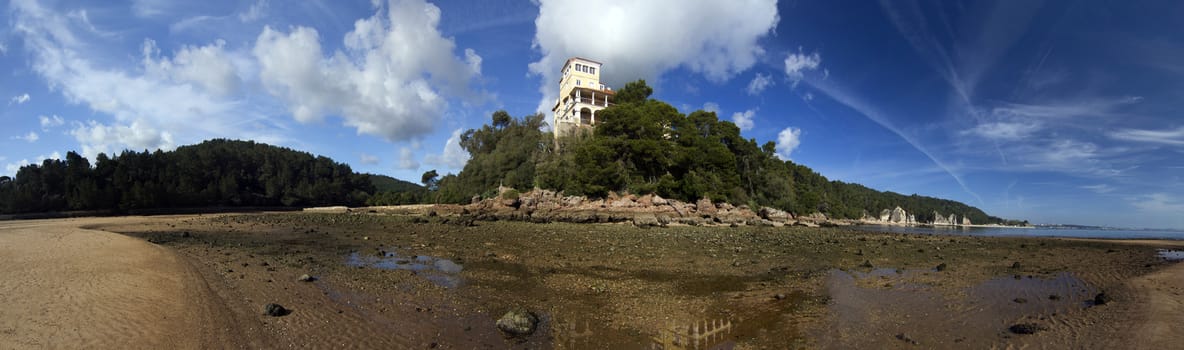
(643, 39)
(30, 137)
(743, 120)
(759, 83)
(453, 156)
(19, 99)
(368, 159)
(138, 135)
(787, 141)
(797, 64)
(11, 168)
(182, 99)
(207, 66)
(388, 81)
(48, 122)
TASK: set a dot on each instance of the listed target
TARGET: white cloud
(3, 49)
(407, 159)
(453, 156)
(19, 99)
(1159, 202)
(207, 66)
(389, 80)
(149, 8)
(1099, 188)
(254, 12)
(1167, 137)
(369, 159)
(787, 141)
(643, 39)
(50, 122)
(797, 64)
(30, 137)
(711, 107)
(12, 168)
(759, 83)
(1069, 109)
(1005, 130)
(97, 138)
(141, 98)
(743, 120)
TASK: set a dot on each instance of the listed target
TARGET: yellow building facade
(581, 95)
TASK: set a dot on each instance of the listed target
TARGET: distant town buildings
(581, 95)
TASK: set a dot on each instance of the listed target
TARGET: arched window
(585, 116)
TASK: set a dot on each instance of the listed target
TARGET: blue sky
(1055, 112)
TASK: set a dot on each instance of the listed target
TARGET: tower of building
(581, 95)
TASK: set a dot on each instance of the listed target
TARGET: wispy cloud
(19, 99)
(1005, 130)
(1159, 202)
(1100, 188)
(1105, 106)
(253, 13)
(759, 83)
(48, 122)
(30, 137)
(843, 97)
(368, 159)
(1167, 137)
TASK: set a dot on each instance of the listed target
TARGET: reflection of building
(581, 95)
(709, 335)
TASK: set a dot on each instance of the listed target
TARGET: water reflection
(710, 335)
(700, 335)
(442, 272)
(1171, 255)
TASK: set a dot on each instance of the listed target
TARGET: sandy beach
(430, 282)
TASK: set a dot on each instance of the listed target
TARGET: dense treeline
(213, 173)
(643, 145)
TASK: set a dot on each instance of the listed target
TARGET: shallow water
(442, 272)
(1171, 255)
(1027, 232)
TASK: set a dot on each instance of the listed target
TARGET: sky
(1052, 112)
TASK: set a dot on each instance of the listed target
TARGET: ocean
(1029, 232)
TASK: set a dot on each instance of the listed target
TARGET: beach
(412, 281)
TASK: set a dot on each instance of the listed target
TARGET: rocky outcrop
(966, 221)
(898, 216)
(940, 220)
(644, 211)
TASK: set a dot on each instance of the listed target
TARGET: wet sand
(430, 282)
(66, 287)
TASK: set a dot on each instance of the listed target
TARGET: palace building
(581, 95)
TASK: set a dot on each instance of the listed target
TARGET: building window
(592, 70)
(577, 82)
